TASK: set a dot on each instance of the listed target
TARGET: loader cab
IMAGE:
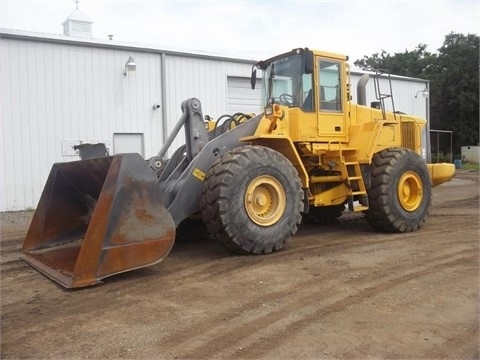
(288, 80)
(313, 83)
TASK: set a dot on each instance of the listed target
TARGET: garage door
(241, 97)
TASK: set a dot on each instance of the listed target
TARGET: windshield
(285, 82)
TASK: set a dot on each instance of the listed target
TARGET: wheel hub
(265, 200)
(410, 191)
(261, 200)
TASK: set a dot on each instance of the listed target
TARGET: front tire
(251, 200)
(400, 193)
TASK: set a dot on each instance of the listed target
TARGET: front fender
(284, 145)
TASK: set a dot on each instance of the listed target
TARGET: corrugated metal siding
(52, 92)
(55, 90)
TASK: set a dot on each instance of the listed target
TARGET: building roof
(63, 39)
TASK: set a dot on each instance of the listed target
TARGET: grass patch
(470, 167)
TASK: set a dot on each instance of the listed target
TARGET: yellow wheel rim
(265, 200)
(410, 191)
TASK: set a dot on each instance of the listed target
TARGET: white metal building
(58, 91)
(471, 154)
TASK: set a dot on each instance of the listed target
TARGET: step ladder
(353, 174)
(388, 94)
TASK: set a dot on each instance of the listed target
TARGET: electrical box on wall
(108, 144)
(67, 147)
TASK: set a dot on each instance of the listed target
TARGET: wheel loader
(250, 179)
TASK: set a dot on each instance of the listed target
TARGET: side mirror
(253, 78)
(309, 61)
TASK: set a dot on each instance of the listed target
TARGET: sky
(258, 29)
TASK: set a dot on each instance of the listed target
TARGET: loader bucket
(96, 218)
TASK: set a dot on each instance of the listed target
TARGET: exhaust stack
(361, 92)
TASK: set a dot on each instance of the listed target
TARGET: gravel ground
(342, 291)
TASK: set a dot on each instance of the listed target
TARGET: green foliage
(470, 167)
(440, 157)
(453, 73)
(408, 63)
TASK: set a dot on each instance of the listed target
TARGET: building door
(241, 97)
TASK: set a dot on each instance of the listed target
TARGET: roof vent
(78, 24)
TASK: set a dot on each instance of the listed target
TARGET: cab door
(330, 101)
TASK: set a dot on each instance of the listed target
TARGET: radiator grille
(409, 136)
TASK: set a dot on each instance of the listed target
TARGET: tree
(408, 63)
(454, 82)
(457, 95)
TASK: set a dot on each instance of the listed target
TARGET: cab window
(307, 92)
(330, 86)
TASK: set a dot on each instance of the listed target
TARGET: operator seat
(308, 103)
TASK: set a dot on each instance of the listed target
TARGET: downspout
(163, 89)
(428, 145)
(361, 92)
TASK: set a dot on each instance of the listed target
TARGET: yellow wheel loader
(251, 179)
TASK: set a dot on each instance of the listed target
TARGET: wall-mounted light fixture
(424, 93)
(130, 65)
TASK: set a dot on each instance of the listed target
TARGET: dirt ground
(337, 291)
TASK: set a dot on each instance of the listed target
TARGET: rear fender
(440, 173)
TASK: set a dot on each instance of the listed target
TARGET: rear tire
(400, 193)
(251, 200)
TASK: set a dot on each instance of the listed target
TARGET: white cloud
(259, 29)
